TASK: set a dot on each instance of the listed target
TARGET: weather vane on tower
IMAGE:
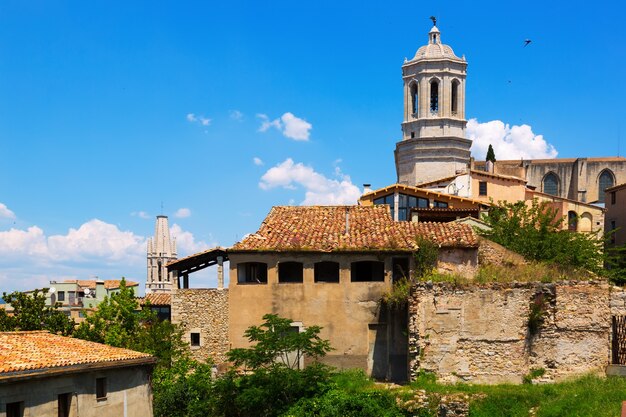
(434, 19)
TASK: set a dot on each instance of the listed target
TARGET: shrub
(337, 403)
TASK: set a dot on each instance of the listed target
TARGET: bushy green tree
(30, 312)
(535, 232)
(277, 344)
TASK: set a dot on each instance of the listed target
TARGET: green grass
(587, 396)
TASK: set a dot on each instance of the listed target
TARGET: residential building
(160, 303)
(616, 214)
(46, 375)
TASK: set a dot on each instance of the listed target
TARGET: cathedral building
(434, 153)
(161, 251)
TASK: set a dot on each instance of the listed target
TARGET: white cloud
(193, 118)
(5, 212)
(182, 213)
(257, 161)
(509, 142)
(236, 115)
(319, 189)
(30, 259)
(186, 242)
(289, 125)
(141, 214)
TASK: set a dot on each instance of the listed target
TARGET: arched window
(414, 98)
(434, 96)
(572, 221)
(454, 105)
(551, 184)
(605, 181)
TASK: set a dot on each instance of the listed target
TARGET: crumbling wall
(497, 333)
(203, 311)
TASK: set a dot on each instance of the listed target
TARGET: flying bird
(526, 42)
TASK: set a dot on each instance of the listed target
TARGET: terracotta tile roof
(28, 352)
(554, 198)
(156, 299)
(499, 176)
(108, 284)
(370, 228)
(422, 191)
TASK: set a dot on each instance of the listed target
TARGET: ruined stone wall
(481, 333)
(203, 311)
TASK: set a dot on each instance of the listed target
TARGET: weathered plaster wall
(203, 311)
(481, 333)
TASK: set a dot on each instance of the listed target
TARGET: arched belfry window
(551, 184)
(434, 96)
(605, 181)
(414, 98)
(454, 102)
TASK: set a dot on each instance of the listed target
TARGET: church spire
(161, 250)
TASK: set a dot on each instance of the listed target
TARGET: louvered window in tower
(434, 97)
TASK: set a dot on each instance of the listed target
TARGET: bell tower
(433, 141)
(161, 251)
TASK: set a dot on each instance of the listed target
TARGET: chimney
(489, 166)
(367, 188)
(100, 291)
(347, 220)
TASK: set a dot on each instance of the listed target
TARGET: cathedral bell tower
(433, 141)
(161, 251)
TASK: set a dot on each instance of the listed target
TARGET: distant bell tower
(433, 141)
(161, 250)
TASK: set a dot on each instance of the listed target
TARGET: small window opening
(290, 272)
(454, 104)
(101, 389)
(159, 270)
(482, 188)
(440, 204)
(412, 135)
(367, 271)
(572, 221)
(414, 98)
(195, 339)
(435, 38)
(15, 409)
(400, 268)
(252, 273)
(326, 271)
(61, 295)
(64, 404)
(434, 96)
(613, 198)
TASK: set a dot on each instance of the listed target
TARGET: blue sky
(108, 109)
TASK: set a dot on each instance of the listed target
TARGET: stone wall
(482, 334)
(203, 311)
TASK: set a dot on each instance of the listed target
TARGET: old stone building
(161, 251)
(616, 215)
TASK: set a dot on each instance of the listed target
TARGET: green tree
(30, 312)
(491, 155)
(277, 344)
(535, 232)
(119, 321)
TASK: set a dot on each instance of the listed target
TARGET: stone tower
(433, 141)
(161, 250)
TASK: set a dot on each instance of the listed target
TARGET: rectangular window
(326, 271)
(290, 272)
(252, 273)
(64, 404)
(72, 297)
(367, 271)
(101, 389)
(440, 204)
(15, 409)
(613, 227)
(400, 268)
(195, 339)
(612, 197)
(61, 296)
(482, 188)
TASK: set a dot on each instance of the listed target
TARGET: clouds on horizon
(288, 124)
(509, 142)
(94, 248)
(318, 188)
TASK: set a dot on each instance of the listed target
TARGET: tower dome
(435, 49)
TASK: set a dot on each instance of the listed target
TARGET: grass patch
(587, 396)
(532, 272)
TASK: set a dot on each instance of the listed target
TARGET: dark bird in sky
(526, 42)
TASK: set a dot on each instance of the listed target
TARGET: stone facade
(205, 312)
(616, 214)
(482, 334)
